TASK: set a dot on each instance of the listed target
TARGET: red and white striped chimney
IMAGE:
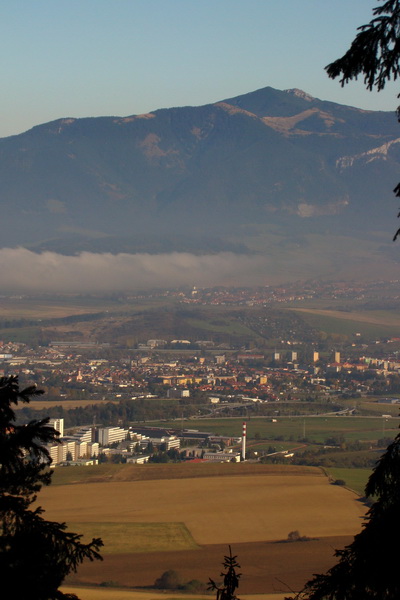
(244, 442)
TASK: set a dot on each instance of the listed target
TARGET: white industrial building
(222, 456)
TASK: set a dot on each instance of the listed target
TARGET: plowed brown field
(266, 567)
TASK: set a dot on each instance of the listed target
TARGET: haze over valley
(267, 187)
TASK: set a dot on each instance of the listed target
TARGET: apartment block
(110, 435)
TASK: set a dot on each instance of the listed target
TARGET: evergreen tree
(230, 579)
(375, 54)
(35, 555)
(367, 568)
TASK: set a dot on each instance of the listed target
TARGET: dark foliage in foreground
(375, 54)
(35, 555)
(230, 579)
(368, 568)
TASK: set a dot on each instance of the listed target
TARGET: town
(99, 390)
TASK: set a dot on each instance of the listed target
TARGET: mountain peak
(265, 158)
(300, 94)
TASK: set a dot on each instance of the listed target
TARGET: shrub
(194, 586)
(169, 580)
(294, 536)
(108, 584)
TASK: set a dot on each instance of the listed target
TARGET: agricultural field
(371, 407)
(67, 404)
(86, 593)
(355, 479)
(138, 538)
(108, 472)
(37, 320)
(183, 517)
(218, 324)
(371, 324)
(314, 428)
(126, 321)
(48, 307)
(386, 318)
(206, 508)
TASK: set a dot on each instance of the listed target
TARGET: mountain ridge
(281, 159)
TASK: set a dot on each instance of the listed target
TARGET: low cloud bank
(23, 271)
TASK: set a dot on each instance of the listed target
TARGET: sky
(81, 58)
(88, 58)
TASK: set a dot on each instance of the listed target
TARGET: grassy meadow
(356, 479)
(371, 407)
(314, 428)
(137, 538)
(221, 325)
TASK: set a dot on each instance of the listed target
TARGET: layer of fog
(23, 271)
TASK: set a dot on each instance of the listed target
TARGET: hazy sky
(76, 58)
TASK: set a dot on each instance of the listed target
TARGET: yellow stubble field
(215, 510)
(186, 524)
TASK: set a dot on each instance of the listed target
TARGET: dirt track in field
(266, 567)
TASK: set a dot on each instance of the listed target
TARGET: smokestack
(244, 442)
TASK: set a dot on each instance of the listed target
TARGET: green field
(371, 407)
(315, 429)
(256, 445)
(137, 538)
(24, 335)
(356, 479)
(221, 325)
